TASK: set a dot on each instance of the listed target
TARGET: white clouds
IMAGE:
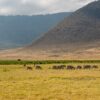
(30, 7)
(4, 11)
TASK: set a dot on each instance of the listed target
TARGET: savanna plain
(18, 83)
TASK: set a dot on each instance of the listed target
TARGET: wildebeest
(29, 68)
(87, 67)
(18, 59)
(59, 67)
(24, 65)
(79, 67)
(63, 66)
(55, 67)
(95, 66)
(69, 67)
(38, 67)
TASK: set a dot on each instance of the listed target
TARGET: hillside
(76, 37)
(80, 28)
(16, 31)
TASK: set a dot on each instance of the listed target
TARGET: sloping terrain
(76, 37)
(81, 28)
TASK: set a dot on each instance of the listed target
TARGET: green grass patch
(21, 62)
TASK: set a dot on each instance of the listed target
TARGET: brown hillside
(81, 28)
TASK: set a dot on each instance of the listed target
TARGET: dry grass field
(18, 83)
(55, 54)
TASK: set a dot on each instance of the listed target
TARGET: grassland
(21, 62)
(17, 83)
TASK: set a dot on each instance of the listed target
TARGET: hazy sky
(30, 7)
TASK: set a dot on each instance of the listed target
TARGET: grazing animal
(54, 67)
(18, 59)
(79, 67)
(24, 65)
(95, 66)
(29, 68)
(59, 67)
(38, 67)
(63, 66)
(69, 67)
(87, 67)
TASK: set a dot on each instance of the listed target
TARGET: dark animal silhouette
(59, 67)
(54, 67)
(24, 65)
(38, 67)
(29, 68)
(87, 67)
(79, 67)
(95, 66)
(69, 67)
(63, 66)
(18, 59)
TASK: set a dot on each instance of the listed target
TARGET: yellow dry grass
(17, 83)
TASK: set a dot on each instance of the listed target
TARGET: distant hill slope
(18, 31)
(77, 37)
(80, 28)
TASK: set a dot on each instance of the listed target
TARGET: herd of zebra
(68, 67)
